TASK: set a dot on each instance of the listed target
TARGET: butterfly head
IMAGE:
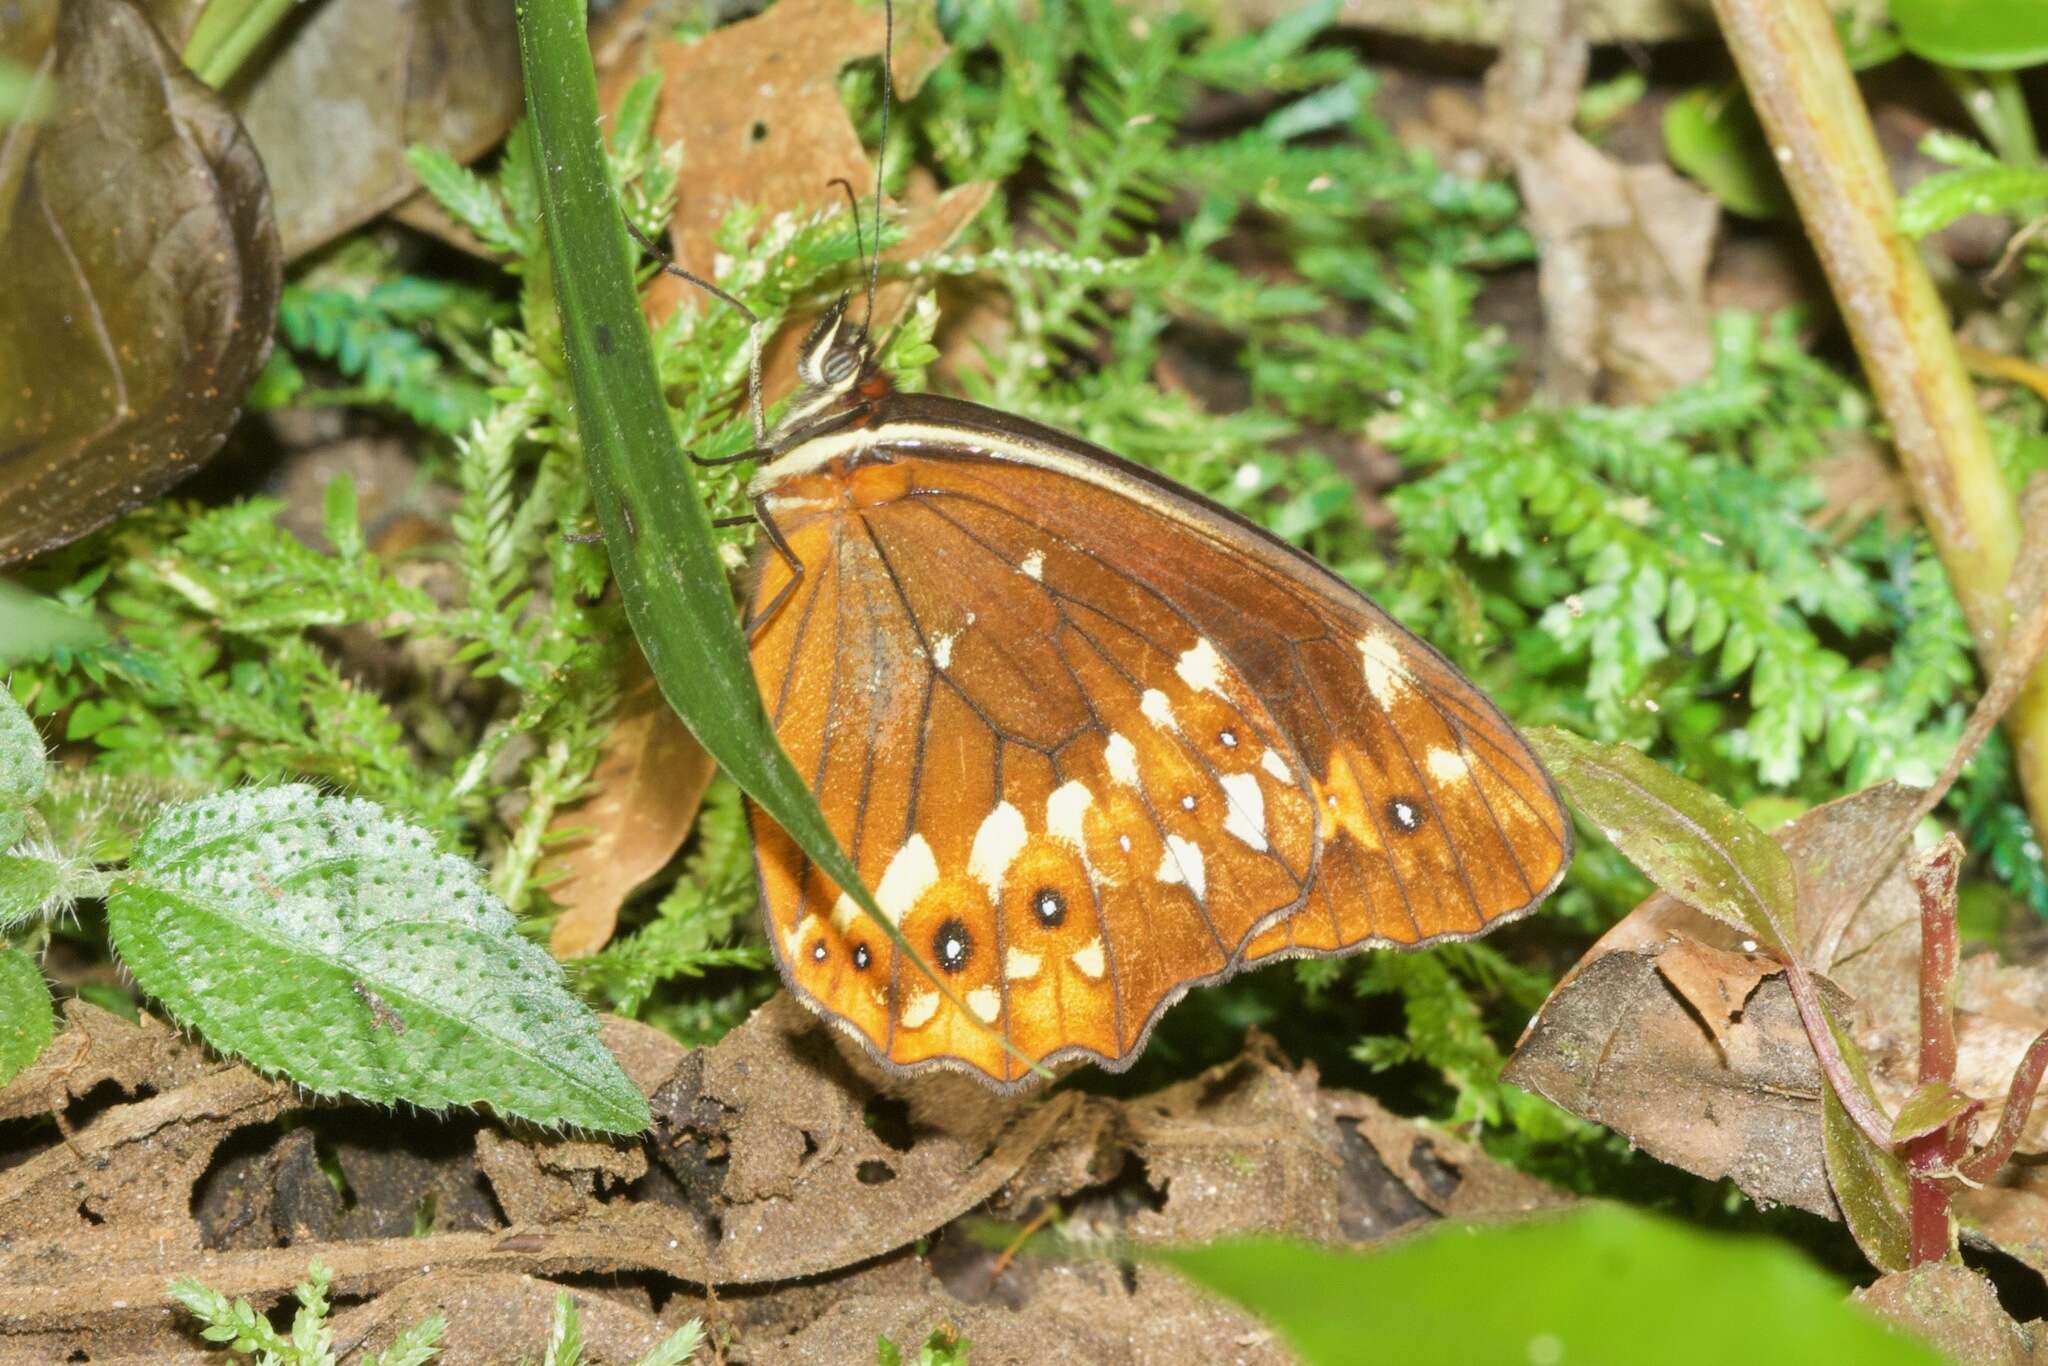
(836, 371)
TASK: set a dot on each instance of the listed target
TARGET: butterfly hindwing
(1093, 741)
(1070, 823)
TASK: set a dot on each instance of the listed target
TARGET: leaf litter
(783, 1194)
(1702, 1060)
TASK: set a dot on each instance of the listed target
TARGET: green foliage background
(1653, 574)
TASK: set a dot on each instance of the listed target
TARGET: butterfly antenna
(881, 154)
(669, 266)
(860, 243)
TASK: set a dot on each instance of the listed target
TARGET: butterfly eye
(1049, 906)
(952, 946)
(839, 365)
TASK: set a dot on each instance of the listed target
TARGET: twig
(1806, 97)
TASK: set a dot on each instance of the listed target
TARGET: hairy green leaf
(27, 1021)
(24, 773)
(1602, 1285)
(1689, 842)
(319, 937)
(144, 273)
(25, 885)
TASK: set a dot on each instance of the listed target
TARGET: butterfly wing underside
(1092, 742)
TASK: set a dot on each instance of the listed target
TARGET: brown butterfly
(1091, 739)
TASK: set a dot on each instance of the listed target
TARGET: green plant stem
(1792, 62)
(1997, 105)
(227, 32)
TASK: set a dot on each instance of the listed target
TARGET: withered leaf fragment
(140, 267)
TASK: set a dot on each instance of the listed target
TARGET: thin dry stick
(1807, 99)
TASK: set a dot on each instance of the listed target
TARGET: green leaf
(1930, 1108)
(338, 517)
(1941, 199)
(466, 197)
(1982, 35)
(656, 530)
(27, 1020)
(33, 627)
(25, 884)
(1869, 1182)
(1687, 840)
(1601, 1286)
(319, 937)
(1711, 134)
(24, 773)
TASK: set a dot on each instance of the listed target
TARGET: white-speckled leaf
(22, 768)
(319, 937)
(27, 1022)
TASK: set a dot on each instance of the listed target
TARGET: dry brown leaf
(649, 781)
(1622, 249)
(1715, 982)
(756, 108)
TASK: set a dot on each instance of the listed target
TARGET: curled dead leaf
(143, 273)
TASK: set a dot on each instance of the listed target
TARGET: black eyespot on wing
(861, 958)
(1405, 815)
(1049, 906)
(818, 952)
(952, 946)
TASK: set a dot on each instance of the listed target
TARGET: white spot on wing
(1122, 758)
(1448, 766)
(1384, 678)
(942, 649)
(1201, 668)
(1247, 816)
(919, 1009)
(1181, 861)
(909, 875)
(1156, 709)
(1275, 765)
(996, 845)
(1063, 812)
(1018, 965)
(844, 913)
(985, 1002)
(1034, 565)
(1088, 958)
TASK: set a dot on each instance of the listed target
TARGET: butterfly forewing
(1093, 741)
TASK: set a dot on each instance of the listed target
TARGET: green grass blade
(655, 526)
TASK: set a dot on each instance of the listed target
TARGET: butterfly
(1091, 739)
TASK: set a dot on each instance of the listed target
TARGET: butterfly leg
(796, 570)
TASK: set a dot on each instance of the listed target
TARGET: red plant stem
(1934, 877)
(1930, 1167)
(1855, 1100)
(2019, 1102)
